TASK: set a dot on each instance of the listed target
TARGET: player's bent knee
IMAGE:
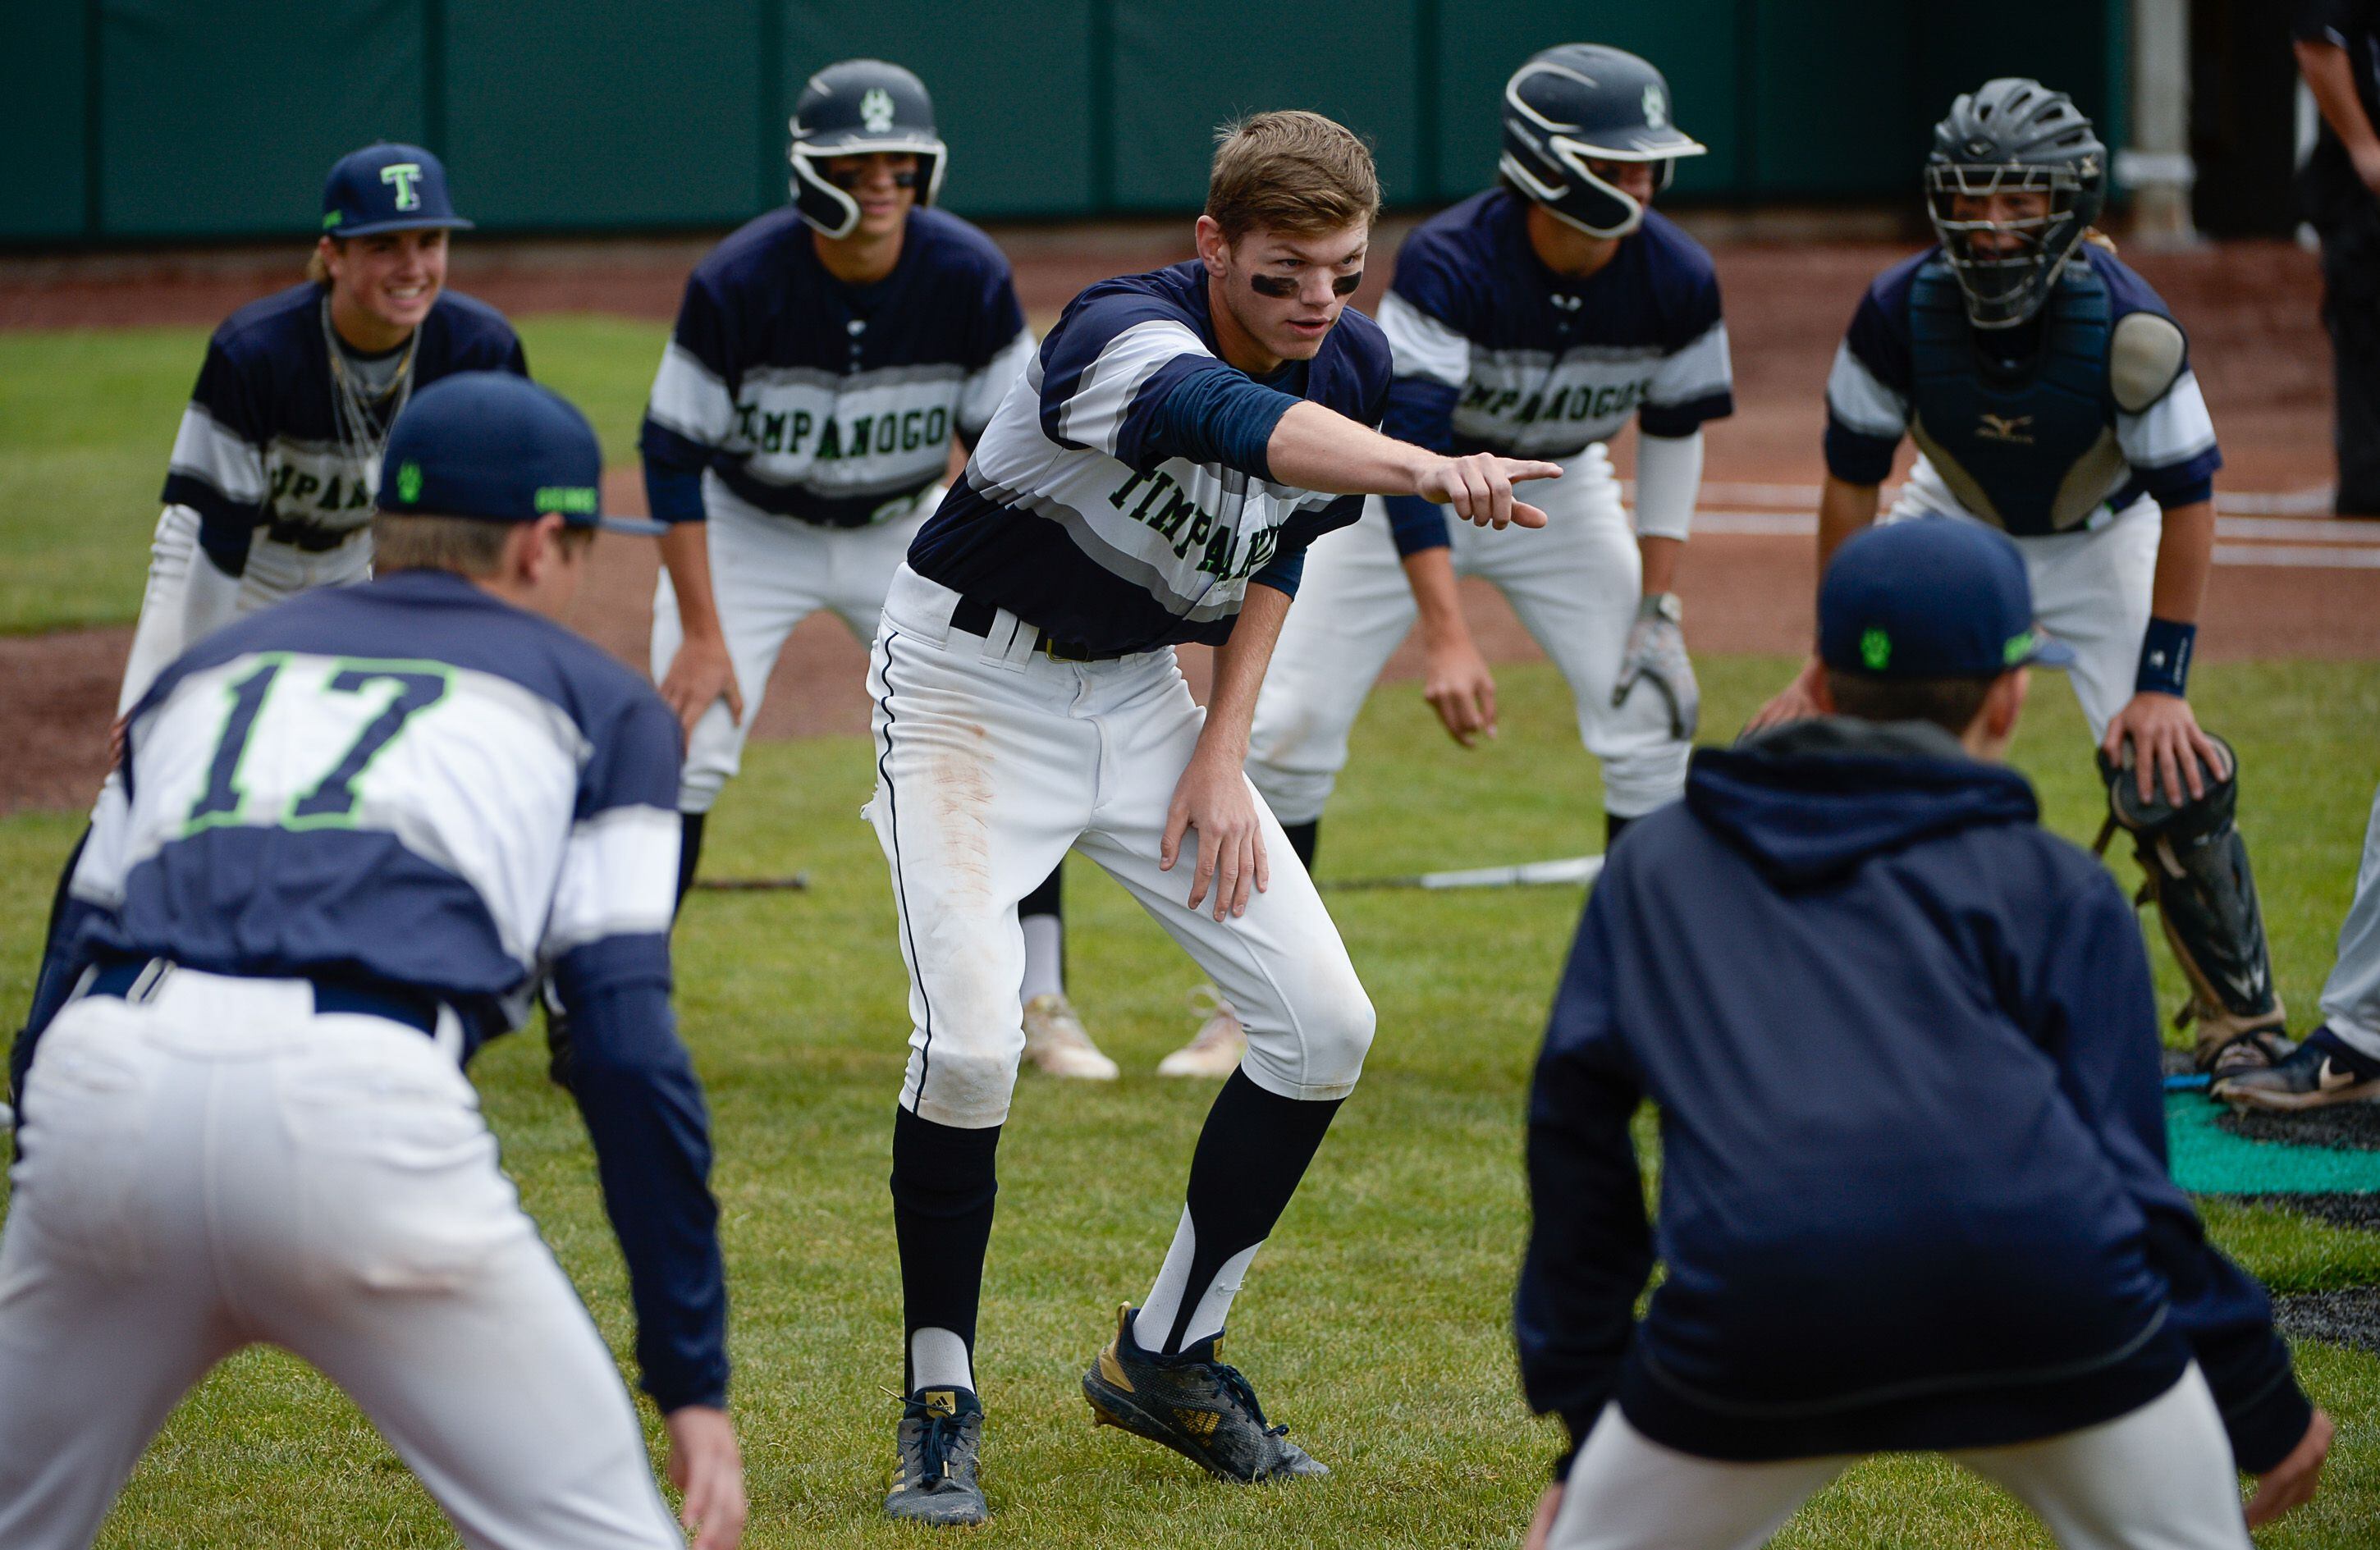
(1321, 1055)
(2197, 817)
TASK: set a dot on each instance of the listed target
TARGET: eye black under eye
(1283, 287)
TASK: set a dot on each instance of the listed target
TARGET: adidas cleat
(1193, 1404)
(941, 1431)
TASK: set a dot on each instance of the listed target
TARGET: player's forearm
(1316, 449)
(2185, 555)
(685, 555)
(1430, 573)
(2330, 76)
(1660, 557)
(1843, 509)
(1240, 664)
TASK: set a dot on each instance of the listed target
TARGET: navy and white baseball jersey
(1120, 499)
(834, 404)
(259, 445)
(412, 785)
(2099, 408)
(1496, 353)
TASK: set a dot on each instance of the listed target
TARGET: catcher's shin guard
(2195, 871)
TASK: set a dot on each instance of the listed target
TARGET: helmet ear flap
(929, 185)
(830, 211)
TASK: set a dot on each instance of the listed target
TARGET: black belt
(975, 616)
(415, 1009)
(306, 536)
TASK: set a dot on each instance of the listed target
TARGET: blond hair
(318, 269)
(1291, 172)
(466, 545)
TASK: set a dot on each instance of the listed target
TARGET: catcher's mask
(2012, 136)
(856, 108)
(1579, 102)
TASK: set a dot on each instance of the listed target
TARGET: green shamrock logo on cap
(1876, 649)
(408, 481)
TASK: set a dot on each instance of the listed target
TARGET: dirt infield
(2251, 309)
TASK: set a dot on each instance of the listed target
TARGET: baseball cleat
(2224, 1058)
(2319, 1072)
(1193, 1404)
(1056, 1041)
(941, 1431)
(1215, 1050)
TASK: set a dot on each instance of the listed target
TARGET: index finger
(1520, 468)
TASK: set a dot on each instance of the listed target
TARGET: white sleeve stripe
(985, 388)
(619, 878)
(1695, 371)
(2175, 429)
(204, 450)
(1094, 415)
(1858, 398)
(689, 399)
(1423, 346)
(99, 870)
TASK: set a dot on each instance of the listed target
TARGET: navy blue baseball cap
(1936, 597)
(500, 448)
(387, 188)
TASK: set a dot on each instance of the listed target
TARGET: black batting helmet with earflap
(1581, 103)
(856, 108)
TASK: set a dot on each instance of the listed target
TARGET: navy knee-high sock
(1253, 1151)
(944, 1182)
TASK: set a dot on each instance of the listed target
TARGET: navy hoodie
(1913, 1190)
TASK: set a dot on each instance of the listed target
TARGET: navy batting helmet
(1579, 102)
(2012, 136)
(856, 108)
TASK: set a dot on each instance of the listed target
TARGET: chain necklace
(364, 416)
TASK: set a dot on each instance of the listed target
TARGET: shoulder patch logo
(408, 481)
(2012, 429)
(1657, 107)
(876, 110)
(1876, 649)
(406, 177)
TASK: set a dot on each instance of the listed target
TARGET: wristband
(2164, 658)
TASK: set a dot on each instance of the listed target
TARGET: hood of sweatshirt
(1813, 800)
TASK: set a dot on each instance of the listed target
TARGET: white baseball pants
(768, 574)
(215, 1166)
(2160, 1478)
(2091, 588)
(992, 760)
(2351, 997)
(1575, 583)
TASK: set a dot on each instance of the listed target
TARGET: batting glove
(1657, 655)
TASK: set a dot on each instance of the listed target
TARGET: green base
(2209, 1160)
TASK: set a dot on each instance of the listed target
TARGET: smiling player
(827, 359)
(270, 490)
(1155, 479)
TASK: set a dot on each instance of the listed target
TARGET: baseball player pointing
(351, 832)
(1155, 478)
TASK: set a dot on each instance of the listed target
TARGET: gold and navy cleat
(1195, 1404)
(941, 1431)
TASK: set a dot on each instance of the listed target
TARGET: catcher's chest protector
(2034, 449)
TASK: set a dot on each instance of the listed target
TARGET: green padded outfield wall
(45, 114)
(135, 121)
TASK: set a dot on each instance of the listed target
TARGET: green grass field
(1375, 1322)
(87, 421)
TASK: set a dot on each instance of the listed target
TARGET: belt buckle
(1061, 651)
